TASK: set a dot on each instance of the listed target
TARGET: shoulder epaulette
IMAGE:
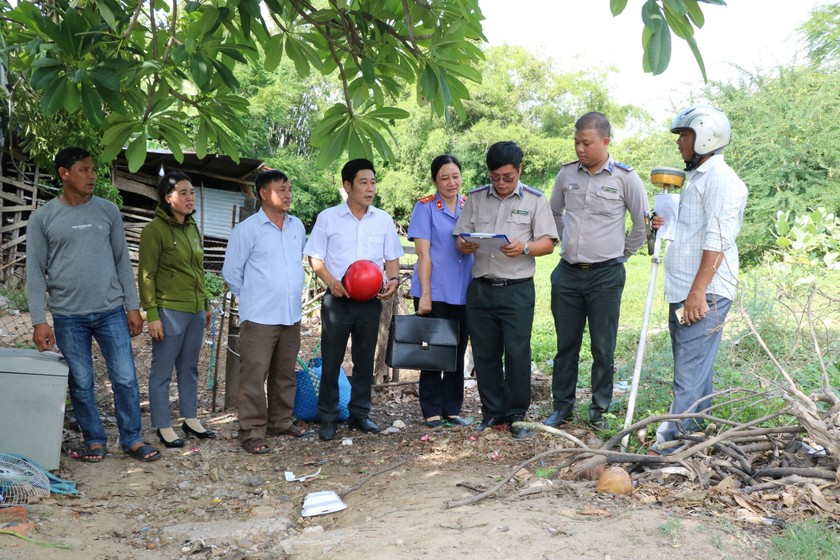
(624, 166)
(427, 199)
(570, 163)
(532, 190)
(479, 189)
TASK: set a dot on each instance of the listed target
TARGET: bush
(214, 284)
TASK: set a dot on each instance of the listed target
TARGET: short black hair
(166, 185)
(352, 168)
(503, 153)
(442, 160)
(595, 120)
(267, 177)
(68, 156)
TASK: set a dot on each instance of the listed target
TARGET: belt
(592, 266)
(501, 282)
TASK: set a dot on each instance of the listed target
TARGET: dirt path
(216, 501)
(213, 500)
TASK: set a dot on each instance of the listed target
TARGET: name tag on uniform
(572, 187)
(608, 189)
(522, 212)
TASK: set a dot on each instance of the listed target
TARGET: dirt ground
(213, 500)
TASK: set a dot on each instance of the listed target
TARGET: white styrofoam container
(33, 391)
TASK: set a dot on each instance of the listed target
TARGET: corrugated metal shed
(221, 182)
(213, 210)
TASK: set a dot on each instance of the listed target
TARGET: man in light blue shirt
(342, 235)
(264, 269)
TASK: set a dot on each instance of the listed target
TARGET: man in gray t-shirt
(77, 255)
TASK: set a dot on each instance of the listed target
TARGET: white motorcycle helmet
(711, 129)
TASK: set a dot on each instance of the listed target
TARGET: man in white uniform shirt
(701, 263)
(343, 234)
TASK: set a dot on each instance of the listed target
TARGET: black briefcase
(418, 342)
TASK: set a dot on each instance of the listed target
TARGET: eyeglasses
(507, 178)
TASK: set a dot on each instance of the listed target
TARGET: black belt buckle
(584, 266)
(497, 282)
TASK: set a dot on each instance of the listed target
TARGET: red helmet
(363, 280)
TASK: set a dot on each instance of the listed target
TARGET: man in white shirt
(342, 235)
(701, 263)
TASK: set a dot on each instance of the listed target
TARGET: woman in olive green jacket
(171, 282)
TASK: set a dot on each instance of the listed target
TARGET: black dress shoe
(488, 423)
(327, 431)
(366, 425)
(206, 434)
(557, 417)
(170, 444)
(516, 431)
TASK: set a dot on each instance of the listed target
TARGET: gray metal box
(33, 390)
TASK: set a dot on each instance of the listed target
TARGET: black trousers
(342, 318)
(577, 297)
(499, 320)
(442, 392)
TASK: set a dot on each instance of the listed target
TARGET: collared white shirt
(710, 216)
(339, 239)
(264, 269)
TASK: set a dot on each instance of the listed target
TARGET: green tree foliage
(135, 71)
(822, 36)
(130, 73)
(785, 146)
(660, 17)
(521, 98)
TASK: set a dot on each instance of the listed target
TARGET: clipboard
(487, 241)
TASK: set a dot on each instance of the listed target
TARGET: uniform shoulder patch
(479, 189)
(532, 190)
(427, 199)
(624, 166)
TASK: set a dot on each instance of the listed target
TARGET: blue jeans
(183, 334)
(74, 335)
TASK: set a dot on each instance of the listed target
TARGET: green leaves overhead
(358, 133)
(106, 62)
(660, 17)
(165, 65)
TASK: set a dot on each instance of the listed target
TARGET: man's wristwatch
(395, 278)
(527, 250)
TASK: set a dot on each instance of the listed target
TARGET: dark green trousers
(499, 320)
(578, 296)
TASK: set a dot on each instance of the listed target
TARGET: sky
(752, 34)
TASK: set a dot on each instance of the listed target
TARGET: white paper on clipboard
(667, 205)
(487, 241)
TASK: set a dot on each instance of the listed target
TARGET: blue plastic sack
(308, 385)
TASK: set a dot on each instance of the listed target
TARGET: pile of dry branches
(796, 442)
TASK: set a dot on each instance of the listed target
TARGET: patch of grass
(545, 472)
(673, 529)
(806, 540)
(16, 297)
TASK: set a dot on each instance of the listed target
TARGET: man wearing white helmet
(701, 263)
